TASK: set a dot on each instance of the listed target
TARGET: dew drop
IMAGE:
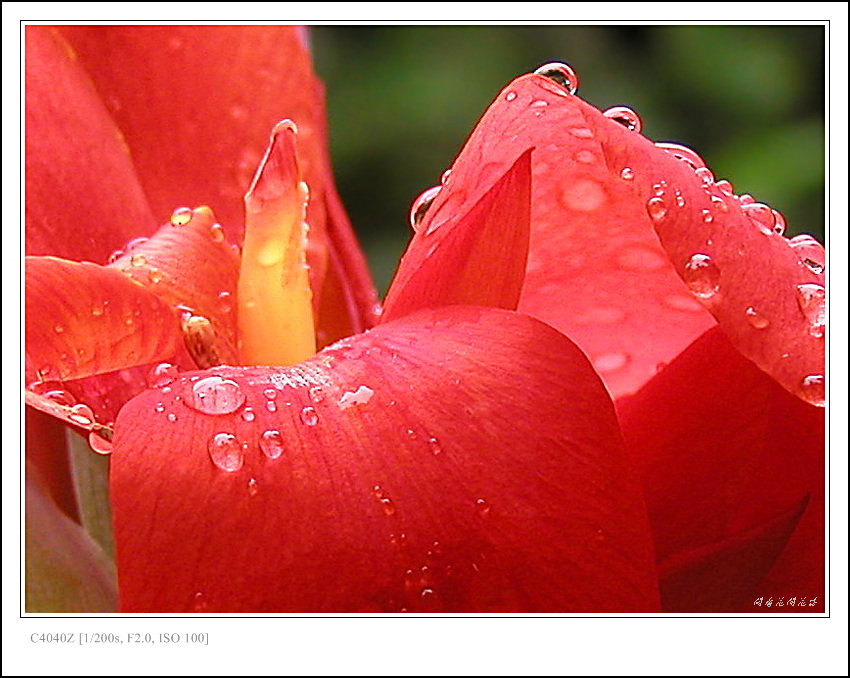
(361, 396)
(59, 396)
(217, 233)
(317, 394)
(627, 173)
(59, 329)
(761, 215)
(779, 226)
(611, 362)
(171, 417)
(445, 176)
(388, 506)
(421, 205)
(756, 319)
(248, 414)
(155, 275)
(811, 298)
(309, 417)
(271, 406)
(115, 256)
(814, 388)
(159, 408)
(705, 175)
(271, 444)
(162, 375)
(561, 73)
(702, 276)
(270, 393)
(99, 442)
(226, 452)
(82, 414)
(625, 116)
(809, 251)
(746, 199)
(138, 260)
(135, 243)
(510, 96)
(707, 216)
(482, 507)
(252, 487)
(539, 103)
(181, 216)
(98, 311)
(215, 395)
(680, 199)
(434, 446)
(689, 155)
(719, 203)
(198, 603)
(656, 208)
(225, 302)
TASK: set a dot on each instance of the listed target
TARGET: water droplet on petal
(625, 116)
(538, 103)
(248, 414)
(115, 256)
(814, 388)
(270, 393)
(388, 506)
(445, 176)
(756, 319)
(706, 175)
(138, 260)
(159, 408)
(155, 275)
(707, 216)
(421, 205)
(561, 73)
(162, 375)
(59, 329)
(627, 173)
(656, 208)
(225, 302)
(271, 444)
(510, 96)
(271, 406)
(680, 199)
(761, 215)
(215, 395)
(252, 487)
(82, 414)
(99, 442)
(171, 417)
(217, 233)
(610, 362)
(689, 155)
(779, 226)
(719, 203)
(181, 216)
(811, 298)
(361, 396)
(317, 394)
(746, 199)
(702, 276)
(309, 417)
(483, 507)
(581, 132)
(809, 251)
(226, 452)
(726, 187)
(57, 395)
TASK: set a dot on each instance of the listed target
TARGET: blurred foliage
(403, 99)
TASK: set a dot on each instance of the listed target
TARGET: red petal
(726, 576)
(82, 196)
(595, 268)
(196, 104)
(731, 452)
(461, 459)
(767, 300)
(478, 259)
(83, 319)
(189, 264)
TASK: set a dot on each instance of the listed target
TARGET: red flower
(463, 455)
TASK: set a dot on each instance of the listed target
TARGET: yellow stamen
(275, 300)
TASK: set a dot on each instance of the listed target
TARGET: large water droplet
(756, 319)
(814, 388)
(181, 216)
(270, 393)
(361, 396)
(162, 375)
(100, 441)
(309, 417)
(811, 298)
(689, 155)
(625, 116)
(656, 208)
(706, 175)
(725, 186)
(809, 251)
(82, 414)
(561, 73)
(215, 395)
(761, 215)
(421, 205)
(510, 96)
(271, 444)
(226, 452)
(702, 276)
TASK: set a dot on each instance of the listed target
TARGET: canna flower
(595, 385)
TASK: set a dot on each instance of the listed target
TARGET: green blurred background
(403, 99)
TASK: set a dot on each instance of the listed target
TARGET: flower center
(275, 315)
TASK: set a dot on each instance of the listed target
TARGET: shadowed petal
(731, 450)
(460, 459)
(66, 571)
(83, 199)
(47, 452)
(478, 260)
(596, 270)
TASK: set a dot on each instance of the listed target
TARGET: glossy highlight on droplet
(656, 208)
(271, 443)
(226, 452)
(625, 116)
(309, 416)
(561, 73)
(421, 205)
(702, 276)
